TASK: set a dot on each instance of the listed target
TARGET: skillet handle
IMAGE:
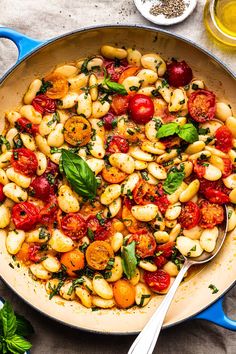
(215, 314)
(24, 44)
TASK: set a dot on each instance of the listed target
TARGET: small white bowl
(144, 9)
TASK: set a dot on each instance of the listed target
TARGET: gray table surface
(44, 19)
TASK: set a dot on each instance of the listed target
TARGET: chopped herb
(55, 118)
(143, 297)
(83, 247)
(193, 248)
(95, 309)
(155, 93)
(100, 123)
(144, 175)
(130, 132)
(182, 102)
(110, 264)
(43, 233)
(44, 87)
(15, 155)
(230, 212)
(114, 123)
(134, 88)
(90, 234)
(203, 131)
(186, 87)
(205, 164)
(100, 219)
(18, 143)
(209, 140)
(55, 150)
(55, 289)
(4, 141)
(195, 87)
(213, 288)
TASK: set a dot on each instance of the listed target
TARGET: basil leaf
(17, 344)
(115, 87)
(84, 66)
(173, 181)
(79, 174)
(188, 133)
(8, 319)
(129, 260)
(44, 87)
(24, 327)
(167, 130)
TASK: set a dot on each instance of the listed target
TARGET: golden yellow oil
(225, 16)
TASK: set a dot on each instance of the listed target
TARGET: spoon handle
(146, 340)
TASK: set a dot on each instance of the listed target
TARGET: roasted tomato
(120, 104)
(145, 243)
(108, 121)
(73, 261)
(58, 85)
(25, 126)
(158, 280)
(25, 216)
(33, 253)
(214, 191)
(52, 168)
(24, 161)
(115, 68)
(131, 71)
(117, 144)
(98, 254)
(160, 261)
(228, 167)
(202, 105)
(44, 104)
(77, 131)
(189, 216)
(210, 214)
(215, 196)
(141, 108)
(224, 139)
(2, 195)
(113, 174)
(48, 213)
(74, 226)
(166, 249)
(199, 168)
(178, 73)
(100, 229)
(132, 224)
(40, 188)
(141, 192)
(162, 202)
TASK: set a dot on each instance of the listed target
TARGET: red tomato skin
(120, 104)
(118, 144)
(25, 126)
(162, 203)
(179, 73)
(141, 108)
(101, 232)
(189, 216)
(26, 161)
(166, 249)
(44, 104)
(199, 169)
(145, 243)
(74, 226)
(113, 70)
(48, 213)
(40, 188)
(158, 280)
(224, 139)
(160, 261)
(228, 167)
(2, 195)
(107, 120)
(215, 196)
(202, 105)
(25, 216)
(211, 214)
(33, 253)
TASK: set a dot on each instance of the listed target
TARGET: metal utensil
(146, 340)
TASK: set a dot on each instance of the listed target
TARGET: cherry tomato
(120, 104)
(25, 126)
(52, 168)
(24, 161)
(215, 196)
(108, 120)
(74, 225)
(130, 71)
(145, 243)
(33, 251)
(48, 213)
(25, 216)
(2, 195)
(160, 261)
(202, 105)
(128, 202)
(158, 280)
(100, 232)
(140, 192)
(44, 104)
(199, 168)
(40, 188)
(189, 216)
(166, 249)
(115, 69)
(141, 108)
(228, 167)
(224, 139)
(162, 203)
(117, 144)
(179, 73)
(213, 185)
(210, 214)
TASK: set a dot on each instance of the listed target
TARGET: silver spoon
(146, 340)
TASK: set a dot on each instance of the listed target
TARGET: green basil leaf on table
(8, 320)
(173, 181)
(129, 260)
(79, 174)
(24, 327)
(167, 130)
(17, 344)
(188, 133)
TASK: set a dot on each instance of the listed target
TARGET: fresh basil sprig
(129, 260)
(174, 179)
(186, 132)
(12, 329)
(79, 174)
(115, 87)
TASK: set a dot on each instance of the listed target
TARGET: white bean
(174, 233)
(156, 148)
(177, 100)
(14, 241)
(93, 87)
(12, 116)
(140, 165)
(32, 91)
(164, 90)
(122, 161)
(28, 141)
(142, 295)
(113, 208)
(158, 171)
(100, 109)
(43, 146)
(231, 218)
(195, 147)
(66, 70)
(116, 271)
(21, 180)
(144, 212)
(134, 57)
(139, 154)
(60, 242)
(154, 62)
(38, 235)
(110, 193)
(135, 278)
(5, 216)
(208, 239)
(161, 236)
(42, 163)
(223, 111)
(96, 165)
(5, 159)
(230, 181)
(3, 177)
(173, 211)
(101, 287)
(171, 269)
(97, 148)
(232, 196)
(130, 183)
(146, 265)
(47, 124)
(77, 82)
(103, 303)
(188, 247)
(56, 137)
(84, 105)
(31, 114)
(65, 291)
(190, 191)
(116, 241)
(174, 197)
(40, 272)
(94, 62)
(147, 76)
(51, 264)
(194, 233)
(84, 296)
(15, 193)
(113, 53)
(212, 173)
(147, 91)
(67, 200)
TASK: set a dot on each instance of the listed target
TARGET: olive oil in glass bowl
(220, 20)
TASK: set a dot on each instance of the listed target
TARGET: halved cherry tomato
(132, 224)
(215, 196)
(49, 212)
(141, 192)
(24, 161)
(100, 232)
(74, 226)
(98, 254)
(158, 280)
(202, 105)
(25, 126)
(141, 108)
(2, 195)
(89, 208)
(77, 131)
(40, 188)
(34, 253)
(128, 72)
(117, 144)
(210, 214)
(108, 120)
(25, 216)
(44, 104)
(115, 69)
(73, 261)
(52, 168)
(113, 174)
(228, 167)
(124, 293)
(213, 185)
(160, 261)
(145, 243)
(120, 104)
(224, 139)
(59, 86)
(166, 249)
(199, 168)
(162, 203)
(128, 202)
(189, 216)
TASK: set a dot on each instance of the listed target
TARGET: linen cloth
(43, 19)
